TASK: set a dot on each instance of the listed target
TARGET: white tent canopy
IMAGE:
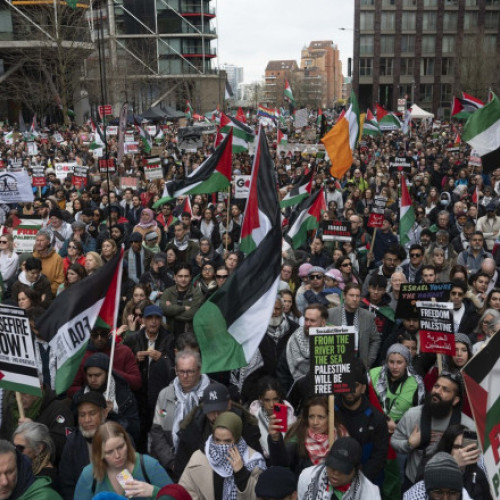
(417, 113)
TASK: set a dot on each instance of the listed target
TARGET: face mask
(444, 202)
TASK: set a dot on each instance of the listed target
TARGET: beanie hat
(400, 349)
(442, 471)
(231, 422)
(304, 270)
(276, 482)
(464, 339)
(336, 275)
(173, 492)
(316, 269)
(97, 360)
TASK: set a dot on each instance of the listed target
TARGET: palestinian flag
(380, 112)
(242, 134)
(370, 127)
(406, 213)
(482, 132)
(389, 122)
(68, 321)
(460, 109)
(230, 325)
(186, 206)
(189, 110)
(308, 218)
(282, 138)
(385, 311)
(260, 205)
(472, 101)
(146, 143)
(240, 115)
(288, 93)
(299, 192)
(214, 174)
(319, 117)
(481, 375)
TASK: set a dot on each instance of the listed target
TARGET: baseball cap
(344, 455)
(135, 236)
(276, 482)
(152, 311)
(94, 397)
(215, 398)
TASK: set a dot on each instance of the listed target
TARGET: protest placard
(241, 186)
(38, 176)
(25, 234)
(153, 169)
(107, 165)
(63, 169)
(128, 182)
(400, 165)
(376, 217)
(336, 231)
(15, 187)
(151, 130)
(131, 147)
(129, 137)
(410, 293)
(31, 148)
(18, 368)
(301, 118)
(112, 130)
(189, 139)
(80, 176)
(436, 327)
(331, 353)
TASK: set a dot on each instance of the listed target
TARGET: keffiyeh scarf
(297, 354)
(317, 446)
(217, 458)
(319, 488)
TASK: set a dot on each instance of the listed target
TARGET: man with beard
(421, 427)
(365, 424)
(473, 257)
(390, 264)
(92, 412)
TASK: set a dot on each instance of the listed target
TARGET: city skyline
(281, 32)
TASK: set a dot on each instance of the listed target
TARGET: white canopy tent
(417, 113)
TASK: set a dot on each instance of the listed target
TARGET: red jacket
(124, 364)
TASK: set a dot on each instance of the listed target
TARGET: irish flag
(406, 213)
(289, 93)
(230, 325)
(214, 174)
(482, 132)
(308, 218)
(242, 134)
(341, 140)
(67, 323)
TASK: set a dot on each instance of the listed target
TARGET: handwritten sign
(18, 369)
(336, 231)
(331, 354)
(412, 292)
(436, 327)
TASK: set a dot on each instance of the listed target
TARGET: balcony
(196, 52)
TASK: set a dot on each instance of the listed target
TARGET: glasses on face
(221, 276)
(412, 255)
(3, 242)
(347, 264)
(457, 294)
(69, 246)
(316, 276)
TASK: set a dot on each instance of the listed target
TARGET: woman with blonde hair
(116, 467)
(93, 262)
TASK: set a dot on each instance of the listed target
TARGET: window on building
(5, 21)
(388, 3)
(405, 89)
(367, 2)
(428, 44)
(386, 66)
(388, 20)
(489, 44)
(447, 65)
(470, 21)
(408, 20)
(365, 66)
(430, 3)
(407, 65)
(429, 21)
(426, 66)
(366, 45)
(448, 44)
(492, 2)
(366, 20)
(471, 3)
(426, 92)
(450, 2)
(407, 43)
(409, 3)
(450, 21)
(446, 94)
(491, 19)
(387, 44)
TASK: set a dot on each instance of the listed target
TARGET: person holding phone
(227, 468)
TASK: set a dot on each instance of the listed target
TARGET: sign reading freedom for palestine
(331, 354)
(436, 327)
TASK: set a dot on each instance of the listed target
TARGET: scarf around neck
(317, 446)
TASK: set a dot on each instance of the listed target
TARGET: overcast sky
(251, 33)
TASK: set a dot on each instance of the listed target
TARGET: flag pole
(20, 406)
(111, 359)
(331, 419)
(228, 209)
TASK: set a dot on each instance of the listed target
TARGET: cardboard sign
(112, 130)
(375, 220)
(401, 165)
(336, 231)
(131, 147)
(25, 234)
(412, 292)
(18, 368)
(436, 327)
(128, 182)
(242, 186)
(331, 353)
(152, 172)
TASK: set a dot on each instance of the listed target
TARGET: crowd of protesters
(216, 435)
